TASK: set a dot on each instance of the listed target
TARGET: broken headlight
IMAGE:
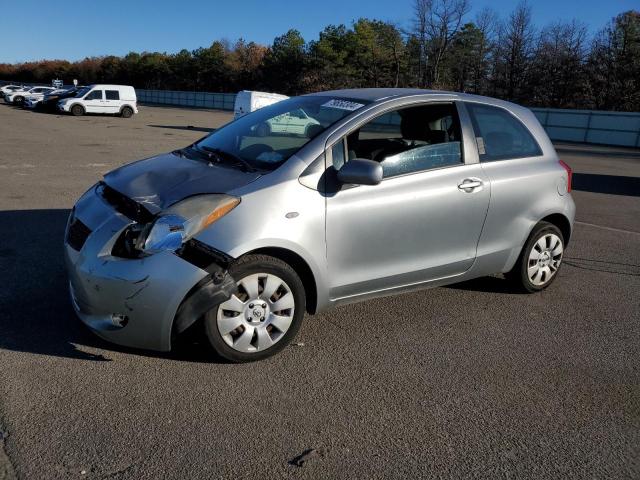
(182, 221)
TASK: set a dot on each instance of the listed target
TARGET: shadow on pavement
(36, 314)
(185, 127)
(609, 184)
(486, 284)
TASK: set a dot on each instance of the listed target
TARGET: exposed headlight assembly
(182, 221)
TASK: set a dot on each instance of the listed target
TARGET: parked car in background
(32, 100)
(294, 122)
(9, 88)
(17, 97)
(103, 99)
(50, 101)
(392, 190)
(249, 101)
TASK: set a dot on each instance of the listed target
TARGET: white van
(247, 101)
(112, 99)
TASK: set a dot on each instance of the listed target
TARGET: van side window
(410, 139)
(500, 135)
(112, 94)
(94, 95)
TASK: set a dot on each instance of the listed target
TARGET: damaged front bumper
(134, 302)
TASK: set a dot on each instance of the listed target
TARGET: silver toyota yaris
(316, 201)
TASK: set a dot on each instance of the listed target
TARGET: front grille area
(77, 234)
(123, 204)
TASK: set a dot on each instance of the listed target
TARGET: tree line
(558, 65)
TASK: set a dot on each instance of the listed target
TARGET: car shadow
(185, 127)
(487, 285)
(37, 316)
(609, 184)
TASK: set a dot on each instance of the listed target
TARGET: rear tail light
(569, 175)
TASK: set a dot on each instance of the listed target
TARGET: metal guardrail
(591, 126)
(582, 126)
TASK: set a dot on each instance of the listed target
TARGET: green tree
(285, 64)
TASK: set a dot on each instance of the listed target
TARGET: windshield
(266, 138)
(82, 92)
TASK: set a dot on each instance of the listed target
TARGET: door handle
(468, 185)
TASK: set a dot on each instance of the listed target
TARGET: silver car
(242, 232)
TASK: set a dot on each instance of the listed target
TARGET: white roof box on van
(248, 101)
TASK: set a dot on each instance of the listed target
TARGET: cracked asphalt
(471, 381)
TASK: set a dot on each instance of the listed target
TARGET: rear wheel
(126, 112)
(540, 259)
(263, 316)
(77, 110)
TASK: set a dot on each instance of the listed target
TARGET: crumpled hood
(161, 181)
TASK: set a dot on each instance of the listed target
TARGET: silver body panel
(411, 231)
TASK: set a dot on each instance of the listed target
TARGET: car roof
(107, 85)
(375, 94)
(379, 94)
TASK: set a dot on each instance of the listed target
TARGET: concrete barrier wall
(582, 126)
(221, 101)
(591, 126)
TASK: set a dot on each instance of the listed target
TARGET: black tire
(126, 112)
(263, 129)
(18, 100)
(519, 274)
(249, 265)
(77, 110)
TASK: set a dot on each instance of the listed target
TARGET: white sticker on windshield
(343, 104)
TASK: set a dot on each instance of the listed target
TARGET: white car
(112, 99)
(33, 99)
(10, 88)
(18, 97)
(248, 101)
(296, 122)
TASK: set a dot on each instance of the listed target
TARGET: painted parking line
(606, 228)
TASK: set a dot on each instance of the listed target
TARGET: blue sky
(81, 28)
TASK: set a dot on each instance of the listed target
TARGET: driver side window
(94, 95)
(410, 140)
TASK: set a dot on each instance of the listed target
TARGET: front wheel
(126, 112)
(263, 316)
(540, 259)
(77, 110)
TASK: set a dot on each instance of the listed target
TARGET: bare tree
(486, 21)
(443, 23)
(514, 49)
(422, 11)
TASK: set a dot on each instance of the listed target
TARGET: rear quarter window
(500, 135)
(112, 94)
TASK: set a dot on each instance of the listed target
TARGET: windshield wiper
(218, 154)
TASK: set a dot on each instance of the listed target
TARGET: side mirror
(360, 171)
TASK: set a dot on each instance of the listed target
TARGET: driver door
(93, 101)
(419, 224)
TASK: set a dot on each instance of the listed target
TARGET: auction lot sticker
(343, 104)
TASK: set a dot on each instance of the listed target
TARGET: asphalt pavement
(468, 381)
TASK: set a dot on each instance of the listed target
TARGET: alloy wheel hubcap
(544, 259)
(258, 315)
